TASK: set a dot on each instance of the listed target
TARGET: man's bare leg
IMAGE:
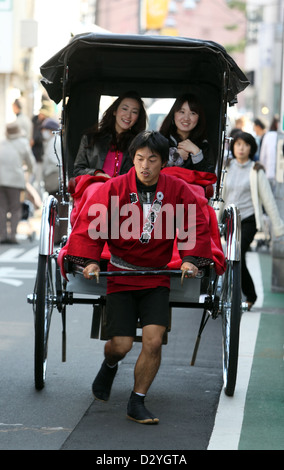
(117, 348)
(146, 368)
(149, 360)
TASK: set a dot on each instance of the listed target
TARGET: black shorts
(124, 309)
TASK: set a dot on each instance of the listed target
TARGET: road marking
(230, 412)
(254, 267)
(8, 428)
(10, 275)
(19, 255)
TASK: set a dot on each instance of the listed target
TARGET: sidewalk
(253, 419)
(263, 423)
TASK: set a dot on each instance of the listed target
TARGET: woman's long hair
(107, 124)
(198, 134)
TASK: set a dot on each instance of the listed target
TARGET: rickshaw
(94, 65)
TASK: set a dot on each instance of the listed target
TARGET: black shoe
(102, 384)
(137, 412)
(250, 303)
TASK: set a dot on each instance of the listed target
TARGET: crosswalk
(19, 255)
(12, 276)
(11, 273)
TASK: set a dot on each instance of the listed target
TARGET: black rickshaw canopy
(93, 64)
(155, 64)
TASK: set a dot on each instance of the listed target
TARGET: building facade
(251, 31)
(31, 31)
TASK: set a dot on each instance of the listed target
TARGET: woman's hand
(186, 147)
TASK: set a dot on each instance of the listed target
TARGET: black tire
(43, 307)
(231, 316)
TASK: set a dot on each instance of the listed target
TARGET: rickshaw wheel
(43, 307)
(231, 316)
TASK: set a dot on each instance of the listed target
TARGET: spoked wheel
(231, 316)
(43, 307)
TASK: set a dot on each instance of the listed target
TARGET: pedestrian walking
(15, 153)
(246, 185)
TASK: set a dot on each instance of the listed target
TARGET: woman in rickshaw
(185, 129)
(104, 147)
(103, 151)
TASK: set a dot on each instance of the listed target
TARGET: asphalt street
(194, 412)
(64, 414)
(184, 398)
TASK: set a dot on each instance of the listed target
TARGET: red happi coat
(109, 211)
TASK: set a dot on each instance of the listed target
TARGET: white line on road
(230, 413)
(10, 275)
(19, 255)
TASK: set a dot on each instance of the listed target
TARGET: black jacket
(90, 159)
(206, 164)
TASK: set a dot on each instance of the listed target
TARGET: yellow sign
(169, 32)
(156, 13)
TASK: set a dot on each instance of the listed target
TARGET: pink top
(113, 162)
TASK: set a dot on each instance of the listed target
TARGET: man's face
(147, 166)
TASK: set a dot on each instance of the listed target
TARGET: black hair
(274, 124)
(249, 139)
(258, 122)
(18, 103)
(153, 140)
(198, 134)
(107, 124)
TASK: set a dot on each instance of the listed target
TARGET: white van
(158, 111)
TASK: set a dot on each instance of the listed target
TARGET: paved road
(193, 410)
(64, 415)
(32, 420)
(185, 398)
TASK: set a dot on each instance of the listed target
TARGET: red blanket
(200, 178)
